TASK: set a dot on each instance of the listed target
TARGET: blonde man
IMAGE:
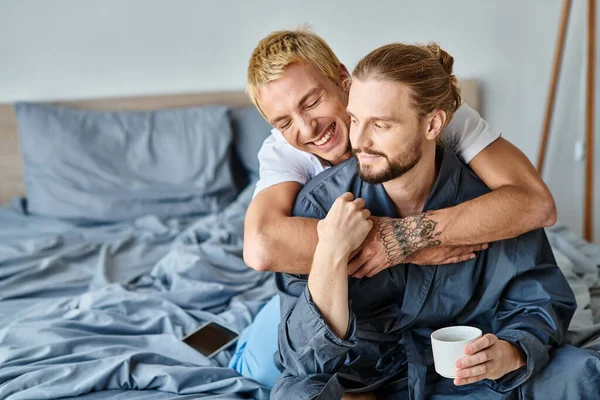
(301, 88)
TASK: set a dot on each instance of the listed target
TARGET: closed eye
(285, 126)
(314, 103)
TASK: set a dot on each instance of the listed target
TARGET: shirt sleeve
(309, 352)
(307, 345)
(280, 162)
(468, 134)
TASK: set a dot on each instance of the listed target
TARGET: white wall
(90, 48)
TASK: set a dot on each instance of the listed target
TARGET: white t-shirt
(466, 135)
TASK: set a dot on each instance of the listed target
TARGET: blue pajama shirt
(513, 289)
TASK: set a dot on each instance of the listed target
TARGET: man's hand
(370, 258)
(445, 255)
(488, 358)
(381, 250)
(346, 225)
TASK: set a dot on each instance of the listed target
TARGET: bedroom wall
(76, 49)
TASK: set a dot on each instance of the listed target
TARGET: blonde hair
(282, 48)
(426, 70)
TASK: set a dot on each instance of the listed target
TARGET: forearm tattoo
(405, 236)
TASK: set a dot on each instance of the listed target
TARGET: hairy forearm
(504, 213)
(328, 286)
(286, 244)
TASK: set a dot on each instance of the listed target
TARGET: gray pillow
(110, 166)
(249, 132)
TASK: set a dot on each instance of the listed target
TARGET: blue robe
(513, 289)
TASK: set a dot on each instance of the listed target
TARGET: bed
(95, 306)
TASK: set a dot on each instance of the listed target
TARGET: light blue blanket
(101, 310)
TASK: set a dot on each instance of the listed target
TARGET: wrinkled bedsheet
(580, 262)
(101, 309)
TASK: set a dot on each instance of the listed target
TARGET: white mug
(448, 346)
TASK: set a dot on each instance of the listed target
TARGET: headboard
(11, 172)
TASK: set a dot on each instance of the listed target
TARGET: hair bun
(444, 58)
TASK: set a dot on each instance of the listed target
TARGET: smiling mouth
(327, 136)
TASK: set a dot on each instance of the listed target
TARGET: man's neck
(410, 191)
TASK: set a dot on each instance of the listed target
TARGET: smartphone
(210, 339)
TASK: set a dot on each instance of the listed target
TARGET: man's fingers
(355, 264)
(457, 259)
(369, 270)
(463, 250)
(483, 342)
(446, 255)
(466, 381)
(366, 213)
(340, 201)
(359, 202)
(355, 253)
(476, 359)
(364, 269)
(359, 273)
(347, 196)
(477, 370)
(475, 248)
(373, 272)
(358, 261)
(471, 249)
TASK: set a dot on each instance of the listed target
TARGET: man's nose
(358, 136)
(307, 128)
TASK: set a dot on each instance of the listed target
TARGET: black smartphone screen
(210, 338)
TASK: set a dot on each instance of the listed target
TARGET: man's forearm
(328, 286)
(501, 214)
(285, 245)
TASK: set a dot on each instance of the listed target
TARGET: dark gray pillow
(110, 166)
(249, 132)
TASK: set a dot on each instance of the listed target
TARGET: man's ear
(345, 77)
(437, 120)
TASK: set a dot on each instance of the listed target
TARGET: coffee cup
(448, 346)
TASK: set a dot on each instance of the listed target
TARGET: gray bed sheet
(99, 311)
(580, 262)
